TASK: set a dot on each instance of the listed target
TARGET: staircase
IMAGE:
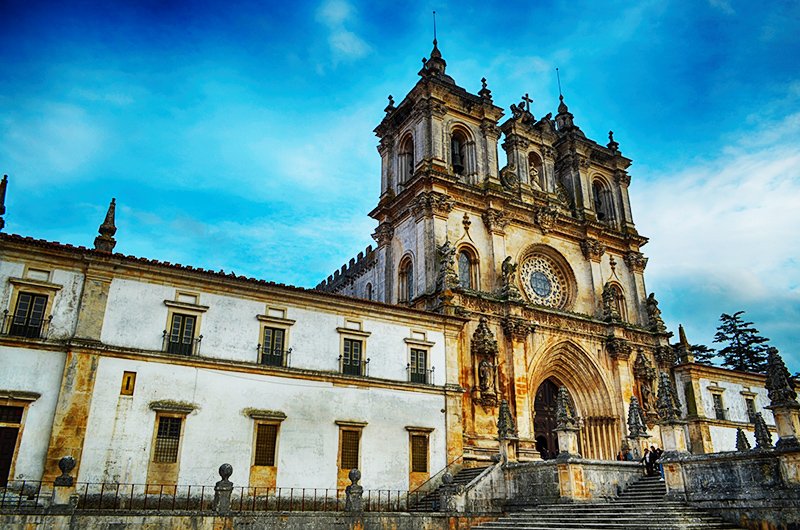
(641, 506)
(430, 502)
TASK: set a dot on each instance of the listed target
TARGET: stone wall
(261, 521)
(754, 489)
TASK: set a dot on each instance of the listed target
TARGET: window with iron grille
(750, 404)
(418, 369)
(266, 438)
(181, 334)
(10, 414)
(168, 438)
(719, 410)
(349, 457)
(273, 346)
(28, 315)
(419, 453)
(351, 357)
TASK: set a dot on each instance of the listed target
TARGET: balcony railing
(720, 414)
(180, 345)
(351, 367)
(27, 327)
(415, 375)
(272, 357)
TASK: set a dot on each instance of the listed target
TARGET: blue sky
(238, 135)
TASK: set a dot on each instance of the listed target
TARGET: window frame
(423, 432)
(353, 330)
(178, 447)
(128, 389)
(349, 426)
(21, 399)
(35, 287)
(405, 280)
(274, 457)
(274, 317)
(179, 307)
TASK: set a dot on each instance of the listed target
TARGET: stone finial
(612, 144)
(484, 92)
(741, 440)
(565, 416)
(223, 489)
(683, 349)
(447, 492)
(636, 424)
(390, 107)
(763, 436)
(105, 242)
(3, 186)
(354, 491)
(66, 464)
(667, 402)
(779, 388)
(505, 423)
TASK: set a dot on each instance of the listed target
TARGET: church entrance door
(544, 419)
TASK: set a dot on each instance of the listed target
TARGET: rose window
(543, 281)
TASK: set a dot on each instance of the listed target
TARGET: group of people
(652, 467)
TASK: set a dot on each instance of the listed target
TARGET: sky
(238, 135)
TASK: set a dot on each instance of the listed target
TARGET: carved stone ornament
(636, 425)
(484, 352)
(545, 218)
(668, 409)
(779, 388)
(592, 249)
(447, 278)
(483, 341)
(618, 348)
(495, 220)
(635, 261)
(506, 430)
(430, 203)
(508, 272)
(509, 178)
(622, 178)
(654, 315)
(517, 328)
(66, 464)
(665, 356)
(609, 298)
(383, 234)
(490, 129)
(763, 436)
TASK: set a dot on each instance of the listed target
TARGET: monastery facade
(488, 290)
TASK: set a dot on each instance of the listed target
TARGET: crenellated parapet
(349, 272)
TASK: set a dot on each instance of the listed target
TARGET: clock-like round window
(543, 281)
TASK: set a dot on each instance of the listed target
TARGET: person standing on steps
(657, 460)
(648, 463)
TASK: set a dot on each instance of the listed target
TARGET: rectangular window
(418, 369)
(750, 404)
(351, 357)
(10, 414)
(266, 438)
(719, 410)
(349, 455)
(272, 350)
(181, 334)
(128, 383)
(168, 439)
(28, 317)
(419, 453)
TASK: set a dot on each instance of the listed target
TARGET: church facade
(488, 290)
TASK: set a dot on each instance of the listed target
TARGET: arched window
(467, 270)
(406, 159)
(602, 202)
(406, 283)
(369, 291)
(535, 170)
(458, 152)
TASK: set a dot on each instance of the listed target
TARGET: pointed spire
(105, 242)
(683, 348)
(564, 118)
(741, 440)
(763, 436)
(564, 413)
(667, 402)
(682, 337)
(484, 92)
(636, 424)
(435, 65)
(779, 388)
(505, 422)
(3, 186)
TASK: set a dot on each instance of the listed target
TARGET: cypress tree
(746, 350)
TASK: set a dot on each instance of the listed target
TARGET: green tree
(746, 349)
(703, 354)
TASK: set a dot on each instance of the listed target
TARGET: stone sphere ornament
(225, 471)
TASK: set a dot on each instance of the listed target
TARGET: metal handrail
(363, 366)
(422, 376)
(27, 327)
(180, 346)
(277, 356)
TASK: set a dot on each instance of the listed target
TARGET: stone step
(564, 519)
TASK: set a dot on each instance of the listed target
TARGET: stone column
(222, 490)
(517, 330)
(92, 307)
(495, 221)
(447, 493)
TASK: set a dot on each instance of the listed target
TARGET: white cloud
(345, 45)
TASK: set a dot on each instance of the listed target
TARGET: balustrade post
(64, 496)
(222, 490)
(354, 503)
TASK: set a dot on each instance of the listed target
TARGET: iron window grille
(351, 361)
(180, 337)
(168, 438)
(266, 438)
(28, 319)
(10, 414)
(419, 453)
(349, 456)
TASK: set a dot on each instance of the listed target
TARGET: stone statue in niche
(508, 271)
(654, 314)
(486, 376)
